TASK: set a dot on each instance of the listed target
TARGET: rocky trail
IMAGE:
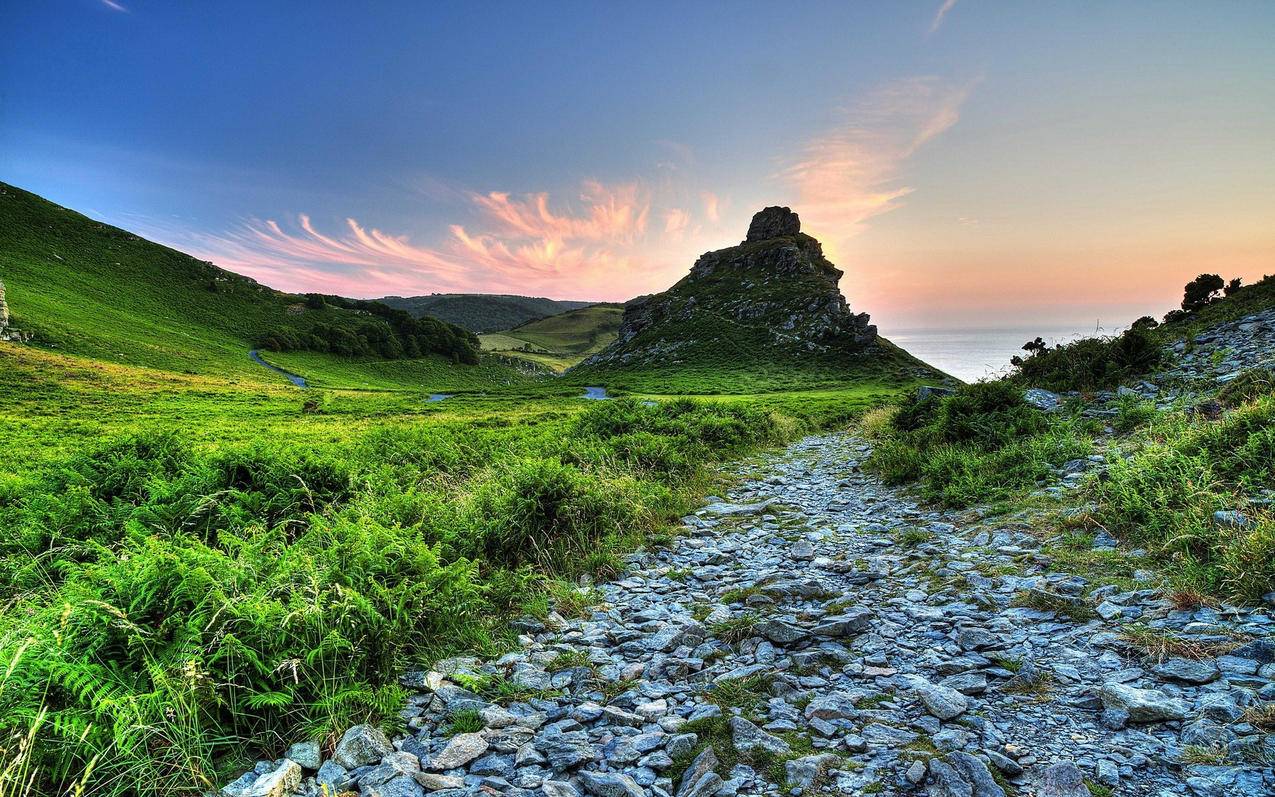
(818, 632)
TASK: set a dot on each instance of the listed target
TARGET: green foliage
(466, 720)
(1131, 413)
(244, 571)
(982, 443)
(1093, 363)
(479, 312)
(156, 307)
(562, 340)
(1164, 497)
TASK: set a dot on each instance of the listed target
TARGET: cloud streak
(937, 22)
(114, 6)
(851, 173)
(603, 246)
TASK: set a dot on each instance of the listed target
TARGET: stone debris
(858, 666)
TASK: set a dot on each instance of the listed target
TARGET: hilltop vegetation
(482, 312)
(764, 315)
(559, 341)
(90, 289)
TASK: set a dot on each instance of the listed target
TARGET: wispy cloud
(599, 246)
(937, 22)
(852, 172)
(114, 6)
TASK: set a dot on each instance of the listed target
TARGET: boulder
(1142, 705)
(772, 222)
(360, 746)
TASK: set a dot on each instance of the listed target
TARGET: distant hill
(764, 315)
(86, 288)
(482, 312)
(562, 340)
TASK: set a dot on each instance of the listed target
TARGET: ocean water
(972, 354)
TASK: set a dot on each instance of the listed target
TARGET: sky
(967, 163)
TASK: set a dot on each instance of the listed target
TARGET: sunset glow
(963, 162)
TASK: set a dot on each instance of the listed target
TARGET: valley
(453, 572)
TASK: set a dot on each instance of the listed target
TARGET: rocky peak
(773, 222)
(775, 289)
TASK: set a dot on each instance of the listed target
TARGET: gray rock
(962, 775)
(433, 781)
(1042, 399)
(772, 222)
(1232, 519)
(360, 746)
(1186, 671)
(747, 737)
(280, 782)
(699, 779)
(460, 750)
(940, 701)
(852, 621)
(802, 773)
(565, 749)
(1142, 705)
(610, 784)
(307, 754)
(1062, 779)
(334, 776)
(558, 788)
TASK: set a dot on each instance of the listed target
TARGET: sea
(972, 354)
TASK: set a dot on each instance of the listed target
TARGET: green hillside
(482, 312)
(562, 340)
(93, 290)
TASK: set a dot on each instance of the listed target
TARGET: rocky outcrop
(7, 332)
(775, 293)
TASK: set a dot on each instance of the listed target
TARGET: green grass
(1184, 470)
(90, 289)
(981, 444)
(559, 341)
(482, 312)
(197, 570)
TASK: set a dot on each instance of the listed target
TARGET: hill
(482, 312)
(764, 315)
(86, 288)
(560, 341)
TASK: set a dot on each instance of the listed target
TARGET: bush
(1093, 363)
(983, 442)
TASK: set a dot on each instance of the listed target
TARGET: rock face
(774, 295)
(7, 332)
(773, 222)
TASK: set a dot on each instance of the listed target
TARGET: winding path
(846, 641)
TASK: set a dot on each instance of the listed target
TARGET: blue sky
(997, 162)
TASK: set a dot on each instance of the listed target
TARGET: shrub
(1093, 363)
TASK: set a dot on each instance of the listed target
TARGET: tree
(1233, 286)
(1146, 322)
(1200, 291)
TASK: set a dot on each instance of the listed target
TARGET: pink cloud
(601, 246)
(851, 173)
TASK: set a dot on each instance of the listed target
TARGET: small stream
(595, 393)
(438, 397)
(299, 381)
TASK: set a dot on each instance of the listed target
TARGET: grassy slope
(1246, 301)
(562, 340)
(94, 290)
(480, 312)
(725, 357)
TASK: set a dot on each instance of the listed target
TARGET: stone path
(826, 635)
